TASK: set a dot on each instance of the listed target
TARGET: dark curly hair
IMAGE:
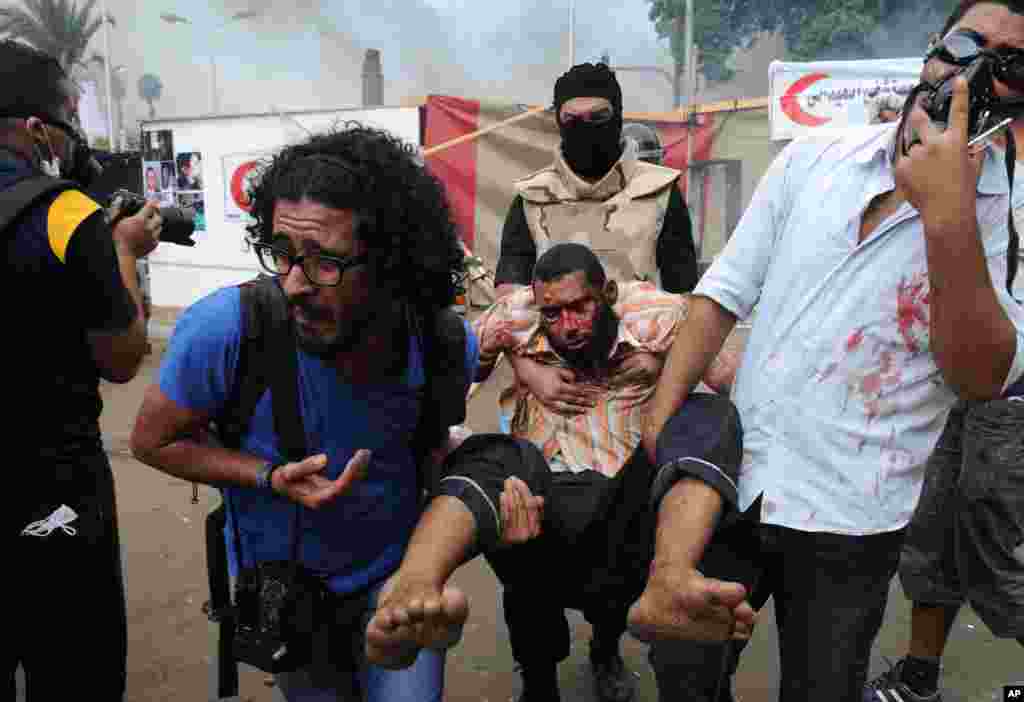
(401, 210)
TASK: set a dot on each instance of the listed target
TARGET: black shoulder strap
(250, 381)
(267, 357)
(279, 336)
(14, 201)
(1013, 246)
(447, 383)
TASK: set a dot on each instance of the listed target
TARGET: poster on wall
(195, 202)
(239, 170)
(158, 178)
(158, 145)
(189, 185)
(174, 176)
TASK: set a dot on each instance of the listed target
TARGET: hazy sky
(309, 54)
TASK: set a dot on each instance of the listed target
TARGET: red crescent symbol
(238, 193)
(791, 104)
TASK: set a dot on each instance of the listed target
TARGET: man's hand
(640, 368)
(556, 388)
(139, 234)
(522, 513)
(497, 339)
(938, 175)
(303, 482)
(721, 374)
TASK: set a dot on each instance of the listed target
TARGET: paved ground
(170, 641)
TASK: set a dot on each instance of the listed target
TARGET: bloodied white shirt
(840, 396)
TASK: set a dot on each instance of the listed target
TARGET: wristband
(264, 477)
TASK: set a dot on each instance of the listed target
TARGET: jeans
(422, 682)
(830, 593)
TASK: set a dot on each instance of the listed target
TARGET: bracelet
(264, 477)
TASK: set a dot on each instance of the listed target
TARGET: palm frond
(58, 27)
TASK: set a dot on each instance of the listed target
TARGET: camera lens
(179, 225)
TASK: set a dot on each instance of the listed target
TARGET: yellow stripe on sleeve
(69, 210)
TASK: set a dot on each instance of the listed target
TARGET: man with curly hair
(361, 241)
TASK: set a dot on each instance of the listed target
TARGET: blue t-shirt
(358, 539)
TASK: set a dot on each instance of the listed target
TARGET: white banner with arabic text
(813, 96)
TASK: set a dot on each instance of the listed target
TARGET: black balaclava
(590, 150)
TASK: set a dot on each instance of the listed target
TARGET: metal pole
(690, 94)
(106, 71)
(572, 33)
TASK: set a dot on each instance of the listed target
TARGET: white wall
(181, 275)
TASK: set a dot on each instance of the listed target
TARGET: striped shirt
(605, 437)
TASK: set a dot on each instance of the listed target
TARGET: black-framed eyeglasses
(962, 46)
(320, 270)
(592, 117)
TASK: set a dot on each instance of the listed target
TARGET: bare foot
(412, 615)
(684, 605)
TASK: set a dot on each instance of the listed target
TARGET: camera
(982, 97)
(179, 222)
(276, 607)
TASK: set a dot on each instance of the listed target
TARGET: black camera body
(276, 608)
(179, 222)
(981, 101)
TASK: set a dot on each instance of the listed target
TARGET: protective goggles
(963, 46)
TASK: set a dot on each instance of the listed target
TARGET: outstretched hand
(304, 482)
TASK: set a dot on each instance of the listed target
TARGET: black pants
(830, 593)
(67, 623)
(593, 553)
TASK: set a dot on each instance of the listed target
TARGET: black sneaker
(613, 680)
(889, 687)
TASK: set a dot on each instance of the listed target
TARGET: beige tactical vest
(619, 217)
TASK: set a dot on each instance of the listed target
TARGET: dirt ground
(171, 642)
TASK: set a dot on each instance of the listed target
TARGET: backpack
(17, 200)
(265, 312)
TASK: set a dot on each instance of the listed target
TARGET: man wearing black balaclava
(629, 212)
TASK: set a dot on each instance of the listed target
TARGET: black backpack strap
(1013, 246)
(250, 381)
(443, 340)
(262, 302)
(25, 193)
